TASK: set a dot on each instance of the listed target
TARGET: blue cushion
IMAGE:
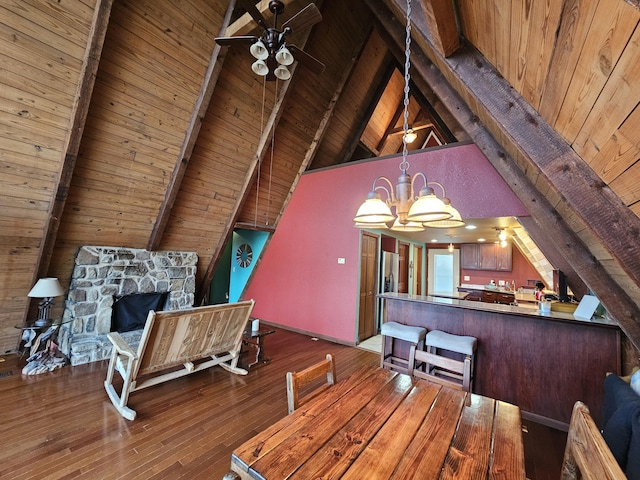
(621, 420)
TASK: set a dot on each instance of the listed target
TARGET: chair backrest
(295, 380)
(445, 366)
(587, 454)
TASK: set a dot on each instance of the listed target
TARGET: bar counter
(542, 362)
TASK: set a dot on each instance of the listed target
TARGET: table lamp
(47, 289)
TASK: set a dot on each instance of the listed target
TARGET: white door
(444, 271)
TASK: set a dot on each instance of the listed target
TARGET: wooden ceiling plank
(191, 136)
(81, 104)
(569, 245)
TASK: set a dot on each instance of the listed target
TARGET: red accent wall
(299, 282)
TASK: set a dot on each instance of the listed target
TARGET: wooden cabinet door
(368, 271)
(487, 256)
(403, 275)
(504, 258)
(469, 256)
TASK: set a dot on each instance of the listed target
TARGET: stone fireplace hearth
(102, 272)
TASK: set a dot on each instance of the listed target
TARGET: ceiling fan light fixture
(282, 73)
(283, 56)
(259, 50)
(260, 68)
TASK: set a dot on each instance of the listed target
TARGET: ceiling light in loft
(410, 211)
(410, 136)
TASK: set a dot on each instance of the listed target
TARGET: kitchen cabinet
(486, 256)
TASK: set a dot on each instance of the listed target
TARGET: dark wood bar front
(543, 363)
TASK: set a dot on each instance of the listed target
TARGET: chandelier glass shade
(412, 213)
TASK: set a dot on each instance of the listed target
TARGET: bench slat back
(176, 337)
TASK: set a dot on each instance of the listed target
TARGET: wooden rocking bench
(174, 338)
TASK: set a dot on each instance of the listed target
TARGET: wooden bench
(177, 338)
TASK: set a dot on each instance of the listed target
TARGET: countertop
(527, 310)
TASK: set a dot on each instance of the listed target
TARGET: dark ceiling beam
(566, 241)
(549, 250)
(535, 144)
(191, 136)
(90, 64)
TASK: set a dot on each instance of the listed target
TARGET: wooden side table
(255, 339)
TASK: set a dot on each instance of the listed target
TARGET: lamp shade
(283, 56)
(410, 136)
(46, 288)
(427, 208)
(406, 227)
(282, 73)
(259, 50)
(260, 68)
(453, 222)
(374, 226)
(373, 210)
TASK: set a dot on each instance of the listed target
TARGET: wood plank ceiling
(123, 123)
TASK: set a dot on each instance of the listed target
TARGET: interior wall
(301, 283)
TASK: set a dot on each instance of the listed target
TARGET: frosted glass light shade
(410, 136)
(428, 208)
(407, 227)
(453, 222)
(46, 288)
(373, 210)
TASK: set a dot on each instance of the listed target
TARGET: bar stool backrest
(443, 365)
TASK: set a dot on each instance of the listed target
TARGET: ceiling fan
(272, 53)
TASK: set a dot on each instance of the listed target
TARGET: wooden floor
(61, 425)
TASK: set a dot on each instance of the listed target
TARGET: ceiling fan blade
(224, 41)
(315, 65)
(251, 9)
(308, 16)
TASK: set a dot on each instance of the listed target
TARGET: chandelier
(412, 213)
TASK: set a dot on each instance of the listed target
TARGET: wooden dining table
(377, 424)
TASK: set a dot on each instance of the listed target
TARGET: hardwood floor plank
(62, 425)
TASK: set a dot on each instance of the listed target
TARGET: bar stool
(462, 344)
(397, 331)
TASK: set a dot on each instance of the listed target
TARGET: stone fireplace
(102, 272)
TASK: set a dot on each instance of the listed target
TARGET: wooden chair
(442, 365)
(587, 454)
(295, 380)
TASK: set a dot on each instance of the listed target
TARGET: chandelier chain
(404, 165)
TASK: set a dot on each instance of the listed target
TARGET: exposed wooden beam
(191, 136)
(90, 64)
(549, 250)
(441, 20)
(616, 300)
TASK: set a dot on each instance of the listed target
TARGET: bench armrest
(120, 345)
